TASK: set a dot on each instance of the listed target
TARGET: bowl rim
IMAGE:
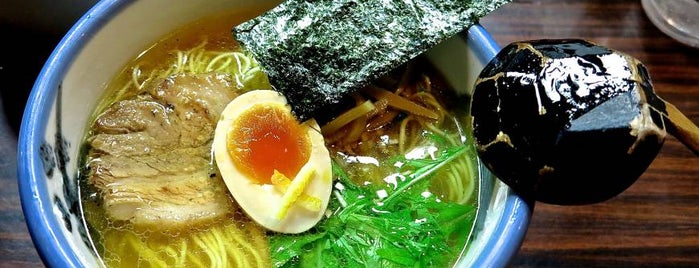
(517, 212)
(36, 205)
(54, 248)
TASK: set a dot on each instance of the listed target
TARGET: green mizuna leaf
(406, 229)
(287, 247)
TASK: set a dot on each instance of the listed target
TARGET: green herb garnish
(408, 228)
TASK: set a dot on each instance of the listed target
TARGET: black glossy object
(566, 121)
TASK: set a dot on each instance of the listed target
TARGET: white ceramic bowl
(102, 42)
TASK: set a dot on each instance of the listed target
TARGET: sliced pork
(150, 155)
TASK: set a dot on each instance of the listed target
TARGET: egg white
(261, 202)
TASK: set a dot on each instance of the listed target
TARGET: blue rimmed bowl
(115, 31)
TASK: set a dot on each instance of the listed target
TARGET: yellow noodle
(402, 134)
(237, 258)
(221, 247)
(135, 74)
(146, 252)
(209, 239)
(200, 242)
(241, 241)
(259, 238)
(196, 261)
(183, 253)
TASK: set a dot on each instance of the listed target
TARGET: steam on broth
(404, 182)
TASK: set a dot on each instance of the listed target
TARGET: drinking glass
(677, 18)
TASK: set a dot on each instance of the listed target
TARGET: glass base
(677, 18)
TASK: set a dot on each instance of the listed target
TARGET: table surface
(653, 223)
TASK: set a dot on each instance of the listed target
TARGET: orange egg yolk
(267, 137)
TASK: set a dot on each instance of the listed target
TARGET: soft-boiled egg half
(277, 169)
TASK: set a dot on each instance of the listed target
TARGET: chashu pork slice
(150, 155)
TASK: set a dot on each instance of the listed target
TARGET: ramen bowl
(96, 48)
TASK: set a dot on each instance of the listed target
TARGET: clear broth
(121, 245)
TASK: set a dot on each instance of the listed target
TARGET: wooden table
(654, 223)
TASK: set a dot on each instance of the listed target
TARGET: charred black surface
(318, 52)
(566, 121)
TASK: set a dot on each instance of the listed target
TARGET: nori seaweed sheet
(317, 52)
